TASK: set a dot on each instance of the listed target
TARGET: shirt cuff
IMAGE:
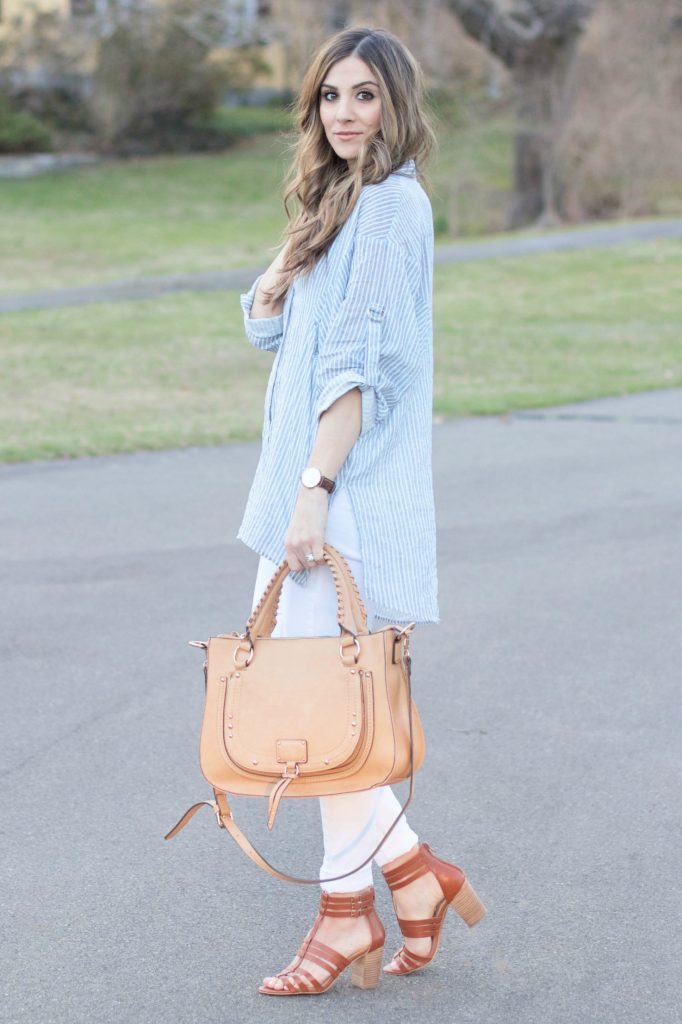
(260, 328)
(346, 382)
(369, 408)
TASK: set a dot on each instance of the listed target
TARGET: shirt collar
(409, 168)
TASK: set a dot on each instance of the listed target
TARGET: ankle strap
(408, 872)
(342, 904)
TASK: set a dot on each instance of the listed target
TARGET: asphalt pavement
(550, 694)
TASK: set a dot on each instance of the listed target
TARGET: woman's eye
(364, 93)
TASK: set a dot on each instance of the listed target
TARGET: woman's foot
(347, 929)
(422, 887)
(418, 900)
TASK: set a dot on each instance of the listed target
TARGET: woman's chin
(347, 150)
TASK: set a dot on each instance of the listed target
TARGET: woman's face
(350, 106)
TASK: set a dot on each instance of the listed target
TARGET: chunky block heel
(367, 970)
(468, 904)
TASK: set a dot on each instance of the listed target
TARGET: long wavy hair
(323, 184)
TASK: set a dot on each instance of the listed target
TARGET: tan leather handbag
(306, 716)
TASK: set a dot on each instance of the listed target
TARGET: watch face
(310, 477)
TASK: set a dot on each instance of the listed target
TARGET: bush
(157, 78)
(620, 153)
(21, 132)
(136, 78)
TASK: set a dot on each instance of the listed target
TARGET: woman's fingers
(305, 535)
(296, 554)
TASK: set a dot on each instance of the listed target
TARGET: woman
(346, 455)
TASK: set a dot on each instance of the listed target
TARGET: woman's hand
(269, 280)
(307, 528)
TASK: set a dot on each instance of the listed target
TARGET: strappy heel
(458, 894)
(366, 963)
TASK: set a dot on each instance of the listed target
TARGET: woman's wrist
(265, 284)
(318, 494)
(261, 305)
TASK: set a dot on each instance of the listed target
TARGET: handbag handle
(225, 819)
(263, 618)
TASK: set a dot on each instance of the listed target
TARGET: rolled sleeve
(369, 410)
(372, 342)
(262, 331)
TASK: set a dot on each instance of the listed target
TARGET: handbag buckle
(249, 656)
(216, 811)
(342, 650)
(401, 644)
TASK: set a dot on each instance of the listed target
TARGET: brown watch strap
(328, 484)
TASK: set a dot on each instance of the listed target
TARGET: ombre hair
(325, 187)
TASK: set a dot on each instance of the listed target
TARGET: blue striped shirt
(361, 318)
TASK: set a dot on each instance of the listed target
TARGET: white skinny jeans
(352, 823)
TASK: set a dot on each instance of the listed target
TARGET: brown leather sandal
(458, 894)
(366, 963)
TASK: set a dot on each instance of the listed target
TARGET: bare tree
(536, 40)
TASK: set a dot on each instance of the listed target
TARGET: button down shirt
(361, 318)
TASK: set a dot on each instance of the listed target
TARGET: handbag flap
(295, 708)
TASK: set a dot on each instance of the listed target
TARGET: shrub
(137, 77)
(157, 77)
(21, 132)
(621, 150)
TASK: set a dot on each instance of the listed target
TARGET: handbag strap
(226, 820)
(357, 607)
(349, 607)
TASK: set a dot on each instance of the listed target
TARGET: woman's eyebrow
(326, 85)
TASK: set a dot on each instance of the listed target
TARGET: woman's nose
(344, 111)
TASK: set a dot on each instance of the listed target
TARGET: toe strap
(293, 982)
(314, 983)
(409, 961)
(296, 979)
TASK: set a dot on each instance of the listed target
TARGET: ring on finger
(310, 557)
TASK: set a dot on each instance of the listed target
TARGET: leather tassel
(276, 794)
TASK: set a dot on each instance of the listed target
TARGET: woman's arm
(338, 430)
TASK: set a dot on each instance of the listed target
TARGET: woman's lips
(347, 135)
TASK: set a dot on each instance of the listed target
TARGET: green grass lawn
(175, 371)
(540, 330)
(172, 214)
(149, 216)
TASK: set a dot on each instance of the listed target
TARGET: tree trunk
(540, 101)
(536, 39)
